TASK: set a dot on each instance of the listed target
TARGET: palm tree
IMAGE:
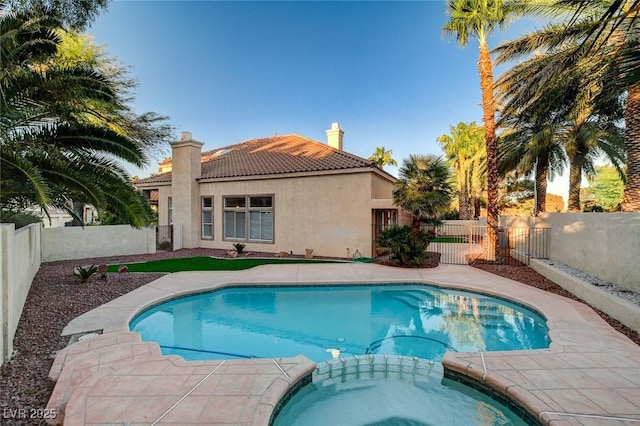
(531, 145)
(423, 188)
(620, 15)
(382, 157)
(51, 154)
(571, 113)
(599, 42)
(466, 152)
(588, 142)
(77, 14)
(479, 18)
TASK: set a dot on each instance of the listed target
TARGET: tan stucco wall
(96, 241)
(20, 260)
(381, 187)
(606, 245)
(327, 213)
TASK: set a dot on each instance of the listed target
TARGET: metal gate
(164, 237)
(464, 244)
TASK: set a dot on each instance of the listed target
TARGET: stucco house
(282, 193)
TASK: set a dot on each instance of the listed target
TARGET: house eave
(151, 185)
(299, 174)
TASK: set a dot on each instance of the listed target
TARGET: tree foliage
(75, 14)
(423, 188)
(407, 247)
(382, 157)
(465, 151)
(582, 62)
(65, 129)
(606, 188)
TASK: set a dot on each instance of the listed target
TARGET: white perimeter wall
(606, 245)
(21, 258)
(96, 241)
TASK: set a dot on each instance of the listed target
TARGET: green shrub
(83, 273)
(407, 248)
(593, 208)
(164, 245)
(239, 247)
(20, 219)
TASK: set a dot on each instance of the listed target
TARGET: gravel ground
(56, 297)
(622, 293)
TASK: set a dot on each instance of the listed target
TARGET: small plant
(83, 273)
(407, 247)
(164, 245)
(239, 247)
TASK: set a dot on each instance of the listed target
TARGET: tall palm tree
(479, 18)
(465, 150)
(598, 41)
(382, 157)
(423, 188)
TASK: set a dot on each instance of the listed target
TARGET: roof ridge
(211, 151)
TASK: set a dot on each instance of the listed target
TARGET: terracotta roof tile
(272, 156)
(159, 178)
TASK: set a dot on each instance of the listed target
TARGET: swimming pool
(321, 322)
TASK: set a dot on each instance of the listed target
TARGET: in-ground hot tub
(390, 390)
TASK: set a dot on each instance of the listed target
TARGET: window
(207, 217)
(249, 218)
(170, 210)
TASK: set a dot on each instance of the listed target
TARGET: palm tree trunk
(417, 226)
(488, 115)
(542, 170)
(78, 209)
(462, 205)
(463, 201)
(631, 202)
(575, 181)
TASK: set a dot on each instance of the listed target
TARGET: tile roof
(271, 156)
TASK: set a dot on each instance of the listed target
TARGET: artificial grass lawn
(205, 264)
(449, 240)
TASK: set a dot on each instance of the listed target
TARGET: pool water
(325, 321)
(410, 394)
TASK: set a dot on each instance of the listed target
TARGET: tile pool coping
(590, 374)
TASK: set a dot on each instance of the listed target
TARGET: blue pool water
(268, 322)
(390, 391)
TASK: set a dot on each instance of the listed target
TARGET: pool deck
(590, 375)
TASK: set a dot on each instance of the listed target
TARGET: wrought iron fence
(465, 244)
(164, 237)
(529, 242)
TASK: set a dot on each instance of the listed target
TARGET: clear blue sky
(238, 70)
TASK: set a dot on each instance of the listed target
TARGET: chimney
(334, 136)
(186, 169)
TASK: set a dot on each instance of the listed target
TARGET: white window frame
(170, 210)
(203, 210)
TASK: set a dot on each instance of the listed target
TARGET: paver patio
(590, 374)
